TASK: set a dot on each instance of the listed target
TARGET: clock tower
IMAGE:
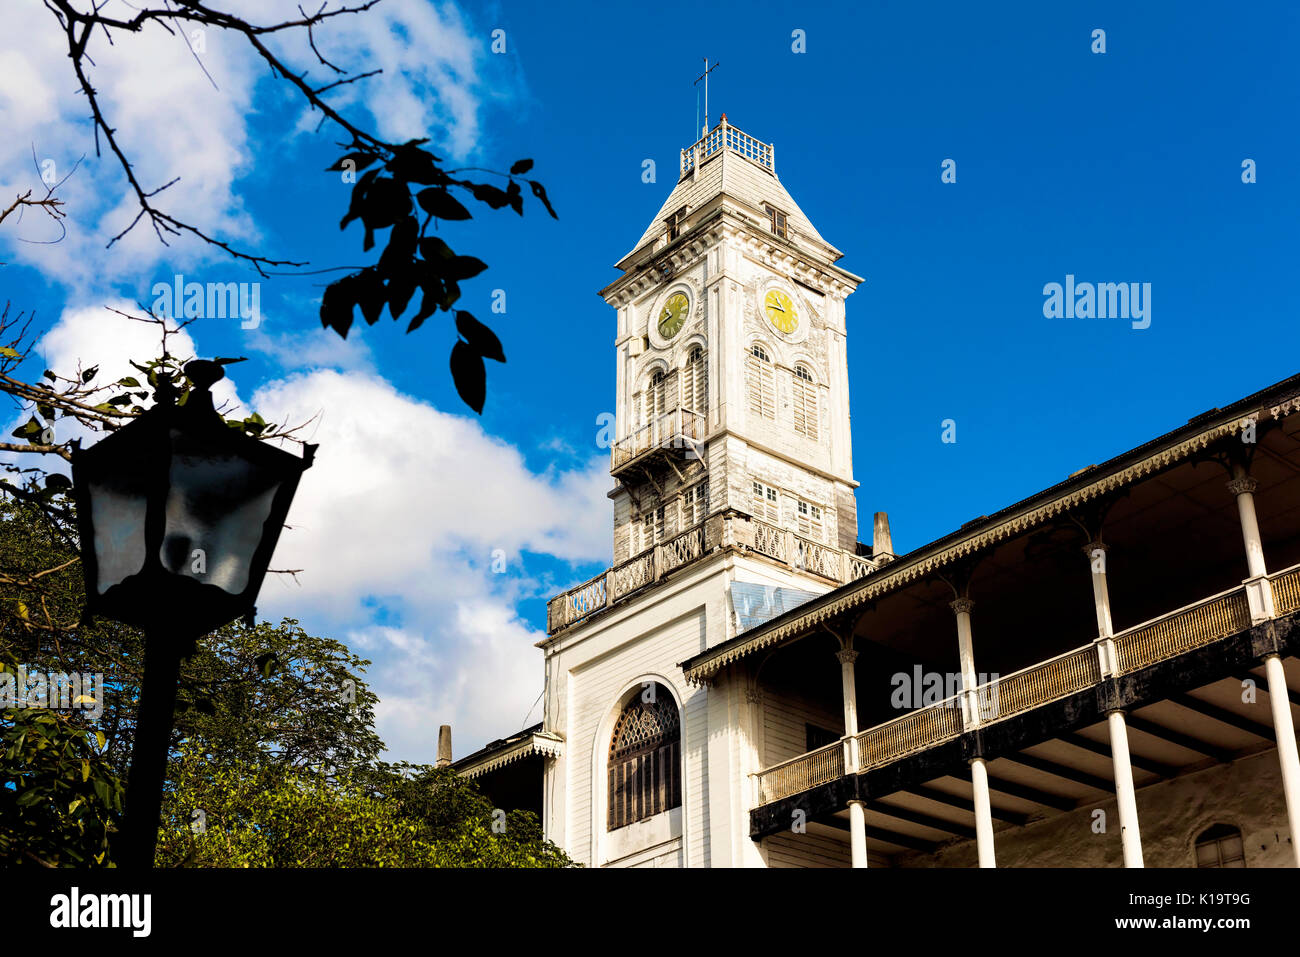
(731, 350)
(733, 499)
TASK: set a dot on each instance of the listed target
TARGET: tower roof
(728, 160)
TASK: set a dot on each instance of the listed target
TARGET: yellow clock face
(780, 311)
(673, 317)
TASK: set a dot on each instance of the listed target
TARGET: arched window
(1220, 846)
(645, 758)
(654, 397)
(695, 382)
(760, 381)
(804, 400)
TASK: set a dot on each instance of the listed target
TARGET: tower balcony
(730, 530)
(671, 436)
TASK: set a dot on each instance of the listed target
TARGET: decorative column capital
(846, 656)
(962, 605)
(1240, 486)
(1095, 546)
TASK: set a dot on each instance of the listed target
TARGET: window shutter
(762, 391)
(695, 382)
(804, 396)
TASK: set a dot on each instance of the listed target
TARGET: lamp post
(179, 515)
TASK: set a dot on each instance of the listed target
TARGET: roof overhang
(1197, 436)
(493, 757)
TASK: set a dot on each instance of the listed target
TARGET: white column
(847, 657)
(979, 775)
(857, 809)
(1130, 838)
(858, 832)
(1243, 486)
(1096, 552)
(1284, 729)
(979, 779)
(1259, 592)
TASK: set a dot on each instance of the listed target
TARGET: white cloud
(399, 518)
(395, 527)
(172, 122)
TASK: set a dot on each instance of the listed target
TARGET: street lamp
(179, 515)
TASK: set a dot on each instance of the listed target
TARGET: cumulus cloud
(418, 535)
(181, 105)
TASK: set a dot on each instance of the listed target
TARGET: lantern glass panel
(119, 505)
(217, 507)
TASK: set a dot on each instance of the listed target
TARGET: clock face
(780, 311)
(673, 317)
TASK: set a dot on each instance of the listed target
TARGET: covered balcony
(1135, 624)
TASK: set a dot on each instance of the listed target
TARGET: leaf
(521, 167)
(267, 663)
(540, 192)
(479, 337)
(133, 381)
(85, 770)
(89, 374)
(10, 353)
(516, 197)
(485, 193)
(465, 267)
(52, 377)
(432, 249)
(415, 166)
(336, 305)
(401, 246)
(371, 295)
(29, 431)
(440, 204)
(358, 196)
(226, 361)
(469, 376)
(401, 288)
(101, 738)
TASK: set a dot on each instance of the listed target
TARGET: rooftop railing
(727, 137)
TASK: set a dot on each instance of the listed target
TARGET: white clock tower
(733, 500)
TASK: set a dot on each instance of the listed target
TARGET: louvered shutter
(761, 384)
(804, 401)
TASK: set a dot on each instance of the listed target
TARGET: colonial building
(1101, 674)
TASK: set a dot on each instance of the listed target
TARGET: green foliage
(224, 814)
(59, 798)
(274, 740)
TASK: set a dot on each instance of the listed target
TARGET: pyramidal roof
(726, 160)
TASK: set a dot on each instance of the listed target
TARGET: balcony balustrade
(678, 429)
(724, 530)
(1168, 636)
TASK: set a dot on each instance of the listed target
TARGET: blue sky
(1116, 167)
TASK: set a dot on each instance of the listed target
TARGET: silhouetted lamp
(179, 515)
